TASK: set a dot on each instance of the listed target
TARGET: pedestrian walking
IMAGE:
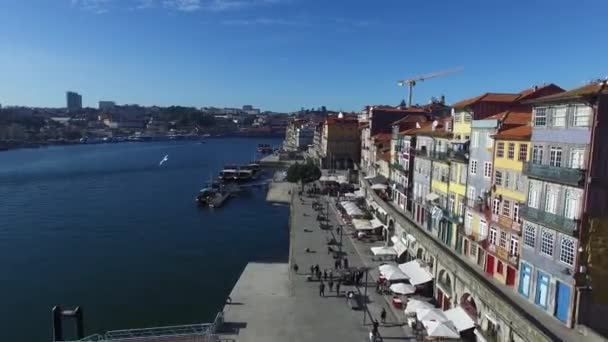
(322, 289)
(345, 263)
(312, 271)
(338, 288)
(331, 274)
(325, 275)
(331, 285)
(375, 328)
(317, 268)
(319, 275)
(336, 264)
(383, 316)
(295, 268)
(338, 230)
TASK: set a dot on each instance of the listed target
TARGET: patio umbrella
(379, 186)
(413, 305)
(440, 329)
(401, 288)
(431, 315)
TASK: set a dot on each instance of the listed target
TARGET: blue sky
(286, 54)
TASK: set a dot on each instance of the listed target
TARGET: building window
(514, 247)
(493, 235)
(571, 205)
(471, 194)
(511, 151)
(503, 239)
(566, 251)
(483, 228)
(551, 201)
(559, 116)
(496, 206)
(537, 154)
(463, 173)
(540, 117)
(581, 116)
(473, 167)
(500, 150)
(487, 169)
(555, 156)
(468, 224)
(516, 217)
(453, 172)
(533, 196)
(467, 117)
(529, 235)
(576, 158)
(506, 181)
(489, 140)
(473, 250)
(498, 178)
(546, 245)
(506, 208)
(523, 152)
(475, 140)
(499, 267)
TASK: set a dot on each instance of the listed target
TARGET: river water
(105, 227)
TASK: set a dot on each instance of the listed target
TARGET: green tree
(303, 173)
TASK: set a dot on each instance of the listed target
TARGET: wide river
(106, 228)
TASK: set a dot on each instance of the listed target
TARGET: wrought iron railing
(561, 175)
(557, 222)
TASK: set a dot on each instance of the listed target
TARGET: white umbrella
(392, 272)
(379, 186)
(402, 288)
(440, 329)
(383, 250)
(413, 305)
(431, 315)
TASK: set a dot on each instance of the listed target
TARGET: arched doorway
(444, 290)
(419, 253)
(467, 302)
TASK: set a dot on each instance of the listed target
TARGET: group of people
(341, 263)
(325, 276)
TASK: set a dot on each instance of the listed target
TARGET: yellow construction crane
(412, 81)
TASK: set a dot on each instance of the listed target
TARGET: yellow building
(509, 191)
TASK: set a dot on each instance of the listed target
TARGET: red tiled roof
(523, 132)
(331, 121)
(585, 91)
(382, 137)
(487, 97)
(512, 118)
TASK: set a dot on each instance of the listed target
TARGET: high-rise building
(106, 105)
(74, 101)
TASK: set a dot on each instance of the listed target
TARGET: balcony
(554, 174)
(399, 167)
(557, 222)
(459, 156)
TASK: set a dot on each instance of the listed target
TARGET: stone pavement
(271, 302)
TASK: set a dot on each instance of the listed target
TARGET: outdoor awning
(377, 180)
(362, 224)
(376, 223)
(417, 274)
(410, 238)
(379, 186)
(352, 209)
(432, 197)
(392, 272)
(461, 319)
(415, 305)
(359, 193)
(402, 288)
(324, 179)
(342, 179)
(399, 246)
(382, 211)
(433, 314)
(441, 329)
(383, 250)
(491, 319)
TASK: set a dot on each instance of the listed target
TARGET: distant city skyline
(281, 55)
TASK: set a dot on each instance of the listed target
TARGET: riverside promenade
(272, 302)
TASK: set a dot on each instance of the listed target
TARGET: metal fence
(180, 333)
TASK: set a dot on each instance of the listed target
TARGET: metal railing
(561, 175)
(557, 222)
(205, 332)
